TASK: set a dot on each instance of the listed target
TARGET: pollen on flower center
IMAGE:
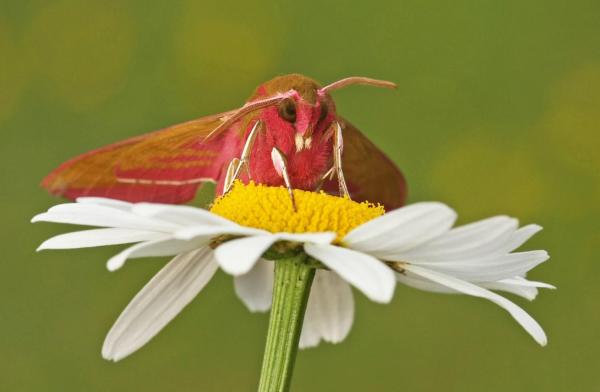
(270, 208)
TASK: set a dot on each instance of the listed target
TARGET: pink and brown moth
(288, 133)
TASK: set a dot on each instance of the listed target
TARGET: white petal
(99, 237)
(519, 286)
(237, 257)
(171, 289)
(102, 216)
(479, 238)
(330, 310)
(255, 288)
(401, 229)
(521, 281)
(526, 292)
(520, 236)
(310, 336)
(375, 279)
(103, 201)
(162, 247)
(526, 321)
(489, 268)
(191, 232)
(183, 215)
(313, 238)
(415, 281)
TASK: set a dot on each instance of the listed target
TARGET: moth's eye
(324, 112)
(287, 110)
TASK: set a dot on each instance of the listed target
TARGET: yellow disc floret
(271, 209)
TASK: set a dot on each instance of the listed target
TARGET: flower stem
(293, 278)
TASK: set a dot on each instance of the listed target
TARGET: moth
(288, 133)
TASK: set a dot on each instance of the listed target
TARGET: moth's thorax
(308, 155)
(305, 167)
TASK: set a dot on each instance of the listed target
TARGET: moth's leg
(329, 173)
(338, 148)
(232, 170)
(335, 132)
(247, 150)
(237, 165)
(280, 164)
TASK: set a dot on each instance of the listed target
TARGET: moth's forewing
(165, 166)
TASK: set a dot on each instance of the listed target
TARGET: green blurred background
(498, 111)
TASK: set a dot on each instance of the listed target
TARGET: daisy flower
(252, 228)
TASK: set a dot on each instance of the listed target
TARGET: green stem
(293, 278)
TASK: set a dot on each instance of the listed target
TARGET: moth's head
(297, 108)
(305, 111)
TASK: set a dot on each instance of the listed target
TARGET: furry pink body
(305, 167)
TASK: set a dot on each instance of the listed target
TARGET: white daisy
(354, 243)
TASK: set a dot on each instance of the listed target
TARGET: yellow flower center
(271, 209)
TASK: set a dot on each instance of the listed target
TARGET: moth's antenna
(247, 108)
(358, 80)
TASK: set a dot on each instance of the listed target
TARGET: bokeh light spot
(83, 50)
(14, 72)
(572, 124)
(482, 177)
(227, 51)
